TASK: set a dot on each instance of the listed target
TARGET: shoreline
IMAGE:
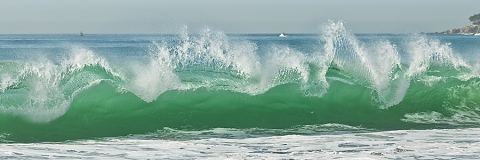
(467, 30)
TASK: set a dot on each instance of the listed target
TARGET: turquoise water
(56, 88)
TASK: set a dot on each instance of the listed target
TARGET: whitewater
(206, 94)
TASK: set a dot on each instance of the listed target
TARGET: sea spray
(42, 91)
(426, 53)
(150, 80)
(284, 65)
(117, 85)
(376, 66)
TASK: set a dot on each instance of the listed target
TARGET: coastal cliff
(471, 29)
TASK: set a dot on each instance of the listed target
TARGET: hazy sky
(232, 16)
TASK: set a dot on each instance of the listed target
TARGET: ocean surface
(206, 94)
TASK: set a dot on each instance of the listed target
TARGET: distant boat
(477, 34)
(80, 34)
(282, 35)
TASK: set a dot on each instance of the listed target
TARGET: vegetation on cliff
(471, 29)
(475, 19)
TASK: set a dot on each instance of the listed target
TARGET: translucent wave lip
(121, 85)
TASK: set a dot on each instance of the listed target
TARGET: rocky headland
(471, 29)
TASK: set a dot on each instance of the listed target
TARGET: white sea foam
(400, 144)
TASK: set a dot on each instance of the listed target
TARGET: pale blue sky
(232, 16)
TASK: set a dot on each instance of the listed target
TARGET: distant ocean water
(244, 96)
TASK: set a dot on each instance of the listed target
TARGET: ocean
(210, 95)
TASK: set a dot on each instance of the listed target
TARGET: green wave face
(208, 81)
(104, 111)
